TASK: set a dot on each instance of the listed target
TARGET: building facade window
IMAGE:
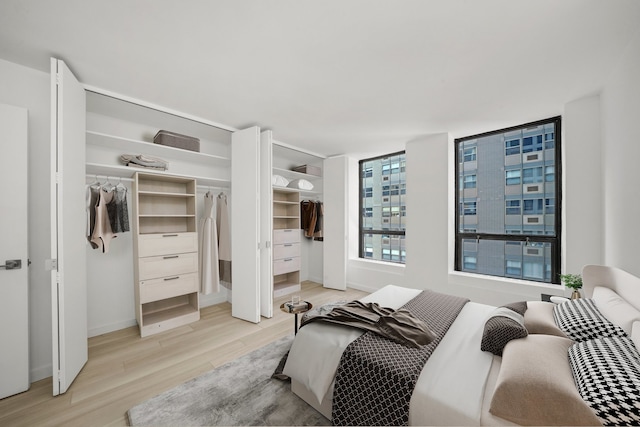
(509, 223)
(383, 209)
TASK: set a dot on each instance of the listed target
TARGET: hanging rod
(108, 177)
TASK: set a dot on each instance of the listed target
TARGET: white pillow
(301, 184)
(635, 334)
(615, 308)
(279, 181)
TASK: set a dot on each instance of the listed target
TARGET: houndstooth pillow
(581, 320)
(607, 375)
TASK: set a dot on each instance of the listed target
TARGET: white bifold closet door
(68, 227)
(266, 224)
(14, 273)
(335, 255)
(245, 224)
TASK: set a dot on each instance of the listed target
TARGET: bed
(537, 378)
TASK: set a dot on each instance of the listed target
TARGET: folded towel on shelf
(144, 161)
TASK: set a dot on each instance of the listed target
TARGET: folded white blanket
(301, 184)
(279, 181)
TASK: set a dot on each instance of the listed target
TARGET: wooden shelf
(121, 171)
(295, 175)
(133, 146)
(164, 205)
(164, 194)
(149, 319)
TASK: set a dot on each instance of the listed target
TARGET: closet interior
(117, 126)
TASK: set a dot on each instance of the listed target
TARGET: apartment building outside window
(508, 215)
(382, 208)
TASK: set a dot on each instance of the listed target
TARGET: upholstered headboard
(624, 284)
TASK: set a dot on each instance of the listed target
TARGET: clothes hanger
(106, 185)
(95, 183)
(120, 184)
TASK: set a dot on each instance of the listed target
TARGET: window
(513, 177)
(470, 262)
(512, 207)
(469, 208)
(512, 146)
(469, 181)
(512, 219)
(531, 175)
(532, 207)
(383, 208)
(470, 154)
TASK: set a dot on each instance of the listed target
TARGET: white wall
(29, 88)
(582, 224)
(430, 217)
(621, 154)
(110, 298)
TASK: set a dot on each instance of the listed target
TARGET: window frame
(401, 212)
(555, 241)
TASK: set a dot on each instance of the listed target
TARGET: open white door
(266, 224)
(335, 185)
(68, 227)
(245, 224)
(14, 277)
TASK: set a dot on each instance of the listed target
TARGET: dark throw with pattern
(376, 376)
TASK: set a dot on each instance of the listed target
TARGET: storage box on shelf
(165, 247)
(286, 241)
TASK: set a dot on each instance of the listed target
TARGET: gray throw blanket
(376, 376)
(398, 325)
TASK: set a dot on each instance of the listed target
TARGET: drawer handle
(171, 256)
(171, 278)
(288, 244)
(287, 231)
(288, 259)
(169, 235)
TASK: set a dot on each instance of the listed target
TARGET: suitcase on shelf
(309, 170)
(176, 140)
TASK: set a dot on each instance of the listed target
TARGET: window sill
(497, 283)
(377, 263)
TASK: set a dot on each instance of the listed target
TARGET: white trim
(94, 332)
(301, 150)
(136, 101)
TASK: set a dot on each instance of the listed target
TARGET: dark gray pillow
(519, 307)
(503, 326)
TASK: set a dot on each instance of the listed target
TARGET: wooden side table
(303, 307)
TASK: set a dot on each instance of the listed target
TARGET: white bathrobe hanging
(209, 274)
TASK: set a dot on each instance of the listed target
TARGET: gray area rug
(240, 392)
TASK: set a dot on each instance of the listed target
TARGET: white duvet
(450, 388)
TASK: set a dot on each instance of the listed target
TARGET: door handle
(12, 264)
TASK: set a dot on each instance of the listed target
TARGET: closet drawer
(286, 265)
(286, 250)
(167, 265)
(167, 243)
(289, 235)
(168, 287)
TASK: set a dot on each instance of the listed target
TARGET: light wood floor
(124, 369)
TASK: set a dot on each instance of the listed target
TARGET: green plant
(573, 281)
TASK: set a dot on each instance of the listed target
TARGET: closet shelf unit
(286, 241)
(134, 146)
(165, 252)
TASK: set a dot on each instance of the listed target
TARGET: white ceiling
(333, 76)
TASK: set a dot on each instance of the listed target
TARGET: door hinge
(51, 264)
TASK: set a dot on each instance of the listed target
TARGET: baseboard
(94, 332)
(364, 288)
(40, 373)
(213, 299)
